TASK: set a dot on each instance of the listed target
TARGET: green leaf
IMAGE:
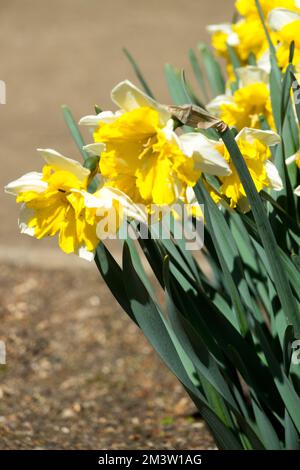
(74, 131)
(198, 73)
(213, 70)
(275, 74)
(113, 277)
(193, 345)
(287, 299)
(292, 438)
(267, 431)
(177, 91)
(79, 142)
(155, 329)
(228, 256)
(289, 337)
(224, 437)
(151, 322)
(284, 386)
(98, 110)
(138, 73)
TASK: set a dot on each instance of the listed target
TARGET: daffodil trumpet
(141, 154)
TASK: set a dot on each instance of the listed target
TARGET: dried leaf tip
(194, 116)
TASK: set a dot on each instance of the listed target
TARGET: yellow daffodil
(243, 108)
(223, 36)
(247, 35)
(248, 9)
(57, 201)
(254, 145)
(143, 156)
(286, 24)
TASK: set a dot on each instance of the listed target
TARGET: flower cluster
(145, 157)
(143, 162)
(247, 36)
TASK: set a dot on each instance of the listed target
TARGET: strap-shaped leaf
(198, 73)
(113, 277)
(287, 299)
(213, 70)
(175, 85)
(138, 73)
(75, 131)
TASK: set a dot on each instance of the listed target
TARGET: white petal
(128, 97)
(266, 137)
(129, 209)
(280, 17)
(97, 199)
(168, 130)
(190, 195)
(297, 191)
(59, 162)
(85, 254)
(214, 107)
(232, 38)
(94, 149)
(29, 182)
(207, 158)
(219, 28)
(273, 176)
(250, 74)
(25, 215)
(292, 158)
(264, 62)
(94, 120)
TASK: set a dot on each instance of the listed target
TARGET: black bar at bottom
(136, 458)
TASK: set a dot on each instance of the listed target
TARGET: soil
(79, 374)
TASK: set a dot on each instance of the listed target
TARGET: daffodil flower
(222, 37)
(143, 156)
(247, 35)
(56, 201)
(254, 145)
(243, 107)
(286, 24)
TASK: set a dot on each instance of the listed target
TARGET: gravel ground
(79, 374)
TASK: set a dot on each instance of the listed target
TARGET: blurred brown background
(70, 51)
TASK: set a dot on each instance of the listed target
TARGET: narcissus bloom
(143, 156)
(223, 36)
(286, 24)
(243, 108)
(56, 201)
(248, 31)
(254, 145)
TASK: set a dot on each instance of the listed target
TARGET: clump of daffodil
(244, 107)
(142, 156)
(247, 35)
(254, 145)
(57, 201)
